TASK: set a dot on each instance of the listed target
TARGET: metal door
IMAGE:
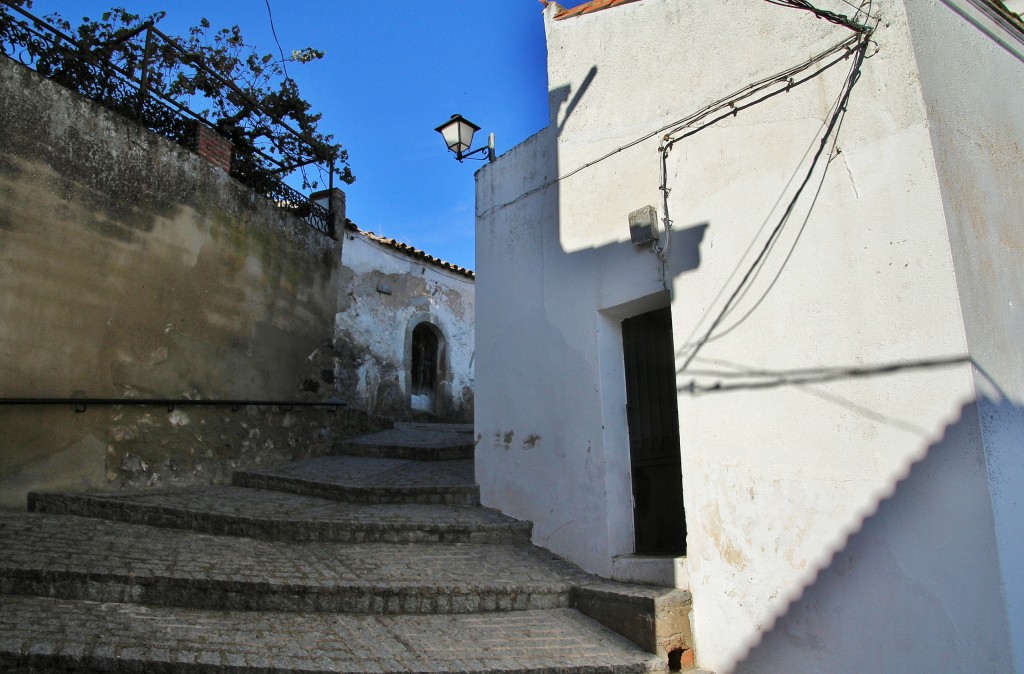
(653, 418)
(424, 360)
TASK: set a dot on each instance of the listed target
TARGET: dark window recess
(653, 418)
(424, 360)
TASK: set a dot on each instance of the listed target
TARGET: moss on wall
(132, 267)
(118, 447)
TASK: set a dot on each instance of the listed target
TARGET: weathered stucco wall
(382, 295)
(776, 475)
(130, 268)
(916, 587)
(113, 447)
(975, 101)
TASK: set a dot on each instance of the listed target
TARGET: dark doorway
(658, 519)
(424, 367)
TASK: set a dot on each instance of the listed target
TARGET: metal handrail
(80, 403)
(312, 213)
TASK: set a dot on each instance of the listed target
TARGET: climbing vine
(125, 62)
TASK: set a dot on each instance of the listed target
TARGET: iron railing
(132, 88)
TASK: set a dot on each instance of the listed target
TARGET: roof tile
(412, 252)
(588, 7)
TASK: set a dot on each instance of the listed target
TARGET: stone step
(39, 634)
(282, 516)
(655, 618)
(359, 479)
(86, 558)
(423, 442)
(431, 426)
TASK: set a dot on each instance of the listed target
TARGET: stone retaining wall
(130, 267)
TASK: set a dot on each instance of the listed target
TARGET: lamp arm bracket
(484, 149)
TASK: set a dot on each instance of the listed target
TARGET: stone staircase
(376, 560)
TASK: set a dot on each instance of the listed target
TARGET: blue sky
(394, 71)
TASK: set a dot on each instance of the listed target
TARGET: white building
(404, 329)
(835, 315)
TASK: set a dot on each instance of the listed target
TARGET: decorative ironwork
(296, 203)
(115, 78)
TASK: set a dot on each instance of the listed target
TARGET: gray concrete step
(423, 442)
(282, 516)
(38, 635)
(359, 479)
(86, 558)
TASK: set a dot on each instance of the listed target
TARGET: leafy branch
(247, 97)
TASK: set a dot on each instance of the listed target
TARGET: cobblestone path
(375, 561)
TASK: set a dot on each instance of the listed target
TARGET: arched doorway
(424, 370)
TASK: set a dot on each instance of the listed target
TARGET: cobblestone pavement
(370, 480)
(55, 542)
(283, 516)
(418, 435)
(361, 471)
(416, 425)
(120, 635)
(78, 557)
(305, 584)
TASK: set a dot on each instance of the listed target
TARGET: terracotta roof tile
(588, 7)
(414, 253)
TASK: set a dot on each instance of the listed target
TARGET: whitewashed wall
(383, 294)
(975, 100)
(775, 478)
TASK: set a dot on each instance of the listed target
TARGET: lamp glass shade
(458, 133)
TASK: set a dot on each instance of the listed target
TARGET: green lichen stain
(10, 173)
(275, 262)
(9, 168)
(109, 228)
(113, 217)
(345, 277)
(125, 211)
(285, 269)
(232, 244)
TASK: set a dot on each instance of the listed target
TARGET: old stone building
(404, 330)
(130, 269)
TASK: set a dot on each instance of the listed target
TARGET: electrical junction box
(643, 225)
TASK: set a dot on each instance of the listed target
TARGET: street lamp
(458, 136)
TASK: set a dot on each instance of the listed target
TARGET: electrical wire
(836, 114)
(856, 43)
(861, 10)
(778, 273)
(728, 107)
(839, 19)
(782, 77)
(284, 67)
(835, 122)
(760, 229)
(662, 251)
(273, 31)
(796, 239)
(804, 376)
